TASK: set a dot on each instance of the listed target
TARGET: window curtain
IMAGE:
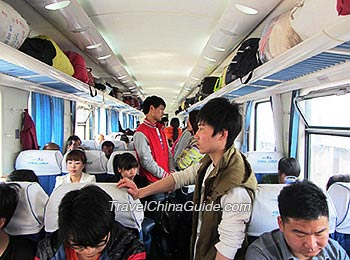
(57, 114)
(98, 118)
(131, 121)
(108, 125)
(48, 116)
(73, 109)
(114, 121)
(91, 126)
(125, 121)
(277, 113)
(293, 127)
(248, 115)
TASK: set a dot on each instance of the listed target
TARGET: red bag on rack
(79, 65)
(343, 7)
(91, 80)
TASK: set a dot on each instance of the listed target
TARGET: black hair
(22, 175)
(152, 101)
(289, 166)
(51, 146)
(222, 115)
(108, 144)
(175, 123)
(124, 138)
(302, 200)
(8, 201)
(192, 117)
(85, 216)
(337, 178)
(76, 155)
(70, 141)
(124, 161)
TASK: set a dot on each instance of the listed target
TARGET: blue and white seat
(339, 193)
(28, 218)
(128, 212)
(46, 164)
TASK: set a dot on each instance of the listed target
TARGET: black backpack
(244, 62)
(208, 85)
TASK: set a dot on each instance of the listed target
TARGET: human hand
(131, 186)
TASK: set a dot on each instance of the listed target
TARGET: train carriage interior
(294, 95)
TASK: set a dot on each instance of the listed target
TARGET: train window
(328, 155)
(82, 121)
(327, 133)
(265, 139)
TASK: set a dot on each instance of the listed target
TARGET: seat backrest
(89, 145)
(119, 145)
(128, 212)
(110, 160)
(339, 193)
(42, 162)
(264, 162)
(265, 209)
(96, 162)
(28, 218)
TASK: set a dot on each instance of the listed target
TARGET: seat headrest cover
(28, 218)
(42, 162)
(96, 162)
(110, 160)
(339, 193)
(89, 145)
(128, 213)
(265, 209)
(264, 162)
(119, 145)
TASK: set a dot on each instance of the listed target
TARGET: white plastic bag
(13, 27)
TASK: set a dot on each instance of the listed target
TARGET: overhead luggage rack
(321, 59)
(24, 72)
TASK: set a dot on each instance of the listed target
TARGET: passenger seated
(288, 172)
(76, 160)
(22, 175)
(11, 247)
(51, 146)
(108, 148)
(88, 230)
(73, 142)
(303, 228)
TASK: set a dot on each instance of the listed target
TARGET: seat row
(36, 210)
(47, 164)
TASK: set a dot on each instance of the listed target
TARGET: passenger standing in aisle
(151, 144)
(224, 179)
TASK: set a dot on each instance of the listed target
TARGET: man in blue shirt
(303, 228)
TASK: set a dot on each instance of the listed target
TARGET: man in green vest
(224, 185)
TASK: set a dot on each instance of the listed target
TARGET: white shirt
(85, 178)
(233, 223)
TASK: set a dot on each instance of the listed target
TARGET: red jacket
(160, 153)
(28, 133)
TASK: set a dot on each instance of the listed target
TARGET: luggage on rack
(244, 62)
(208, 85)
(13, 27)
(79, 65)
(343, 7)
(39, 49)
(60, 61)
(321, 14)
(278, 37)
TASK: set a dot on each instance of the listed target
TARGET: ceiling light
(80, 30)
(218, 48)
(123, 77)
(93, 46)
(229, 33)
(125, 81)
(245, 9)
(58, 5)
(104, 57)
(209, 59)
(195, 78)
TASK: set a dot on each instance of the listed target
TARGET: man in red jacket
(151, 145)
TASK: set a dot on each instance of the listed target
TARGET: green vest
(233, 170)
